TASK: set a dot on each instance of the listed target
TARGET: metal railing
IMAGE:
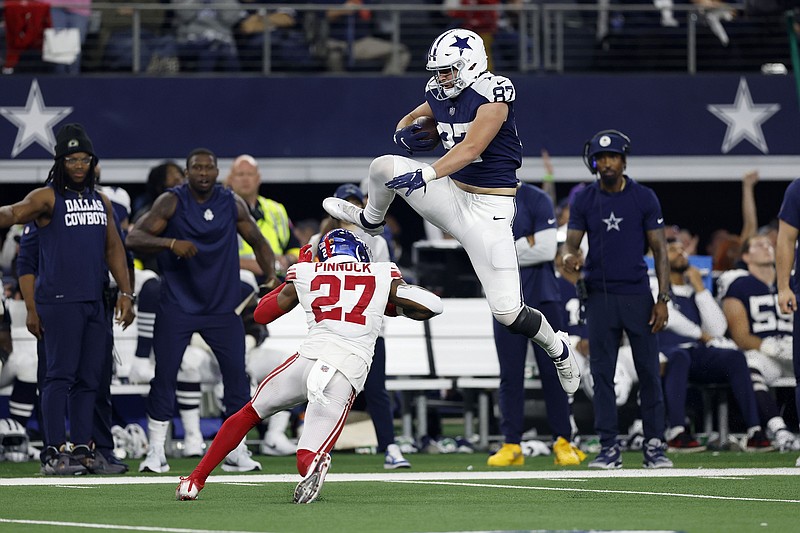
(543, 37)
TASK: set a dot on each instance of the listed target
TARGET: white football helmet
(13, 441)
(457, 57)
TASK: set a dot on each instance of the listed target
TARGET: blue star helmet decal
(462, 44)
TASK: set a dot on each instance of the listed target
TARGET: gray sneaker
(654, 456)
(609, 458)
(60, 462)
(107, 466)
(347, 212)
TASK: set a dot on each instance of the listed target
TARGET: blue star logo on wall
(35, 121)
(744, 119)
(462, 44)
(612, 222)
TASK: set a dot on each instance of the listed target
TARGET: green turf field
(723, 491)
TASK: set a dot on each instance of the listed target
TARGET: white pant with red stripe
(285, 387)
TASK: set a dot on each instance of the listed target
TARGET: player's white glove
(321, 373)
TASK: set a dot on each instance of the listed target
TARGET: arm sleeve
(268, 309)
(679, 324)
(543, 250)
(714, 322)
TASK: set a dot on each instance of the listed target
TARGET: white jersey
(344, 301)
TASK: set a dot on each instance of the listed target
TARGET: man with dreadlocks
(77, 239)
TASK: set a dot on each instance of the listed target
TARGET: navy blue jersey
(572, 308)
(761, 303)
(617, 225)
(28, 255)
(535, 213)
(497, 165)
(790, 213)
(72, 249)
(686, 305)
(207, 283)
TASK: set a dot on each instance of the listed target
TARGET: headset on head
(592, 164)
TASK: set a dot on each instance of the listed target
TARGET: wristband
(172, 244)
(428, 174)
(547, 178)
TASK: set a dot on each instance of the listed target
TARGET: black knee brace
(527, 323)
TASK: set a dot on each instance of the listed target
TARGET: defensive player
(785, 257)
(469, 192)
(375, 395)
(621, 218)
(72, 215)
(194, 228)
(345, 297)
(763, 332)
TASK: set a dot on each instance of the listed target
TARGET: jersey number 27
(364, 284)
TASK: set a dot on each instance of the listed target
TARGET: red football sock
(229, 436)
(304, 460)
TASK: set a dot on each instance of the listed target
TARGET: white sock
(191, 422)
(546, 338)
(157, 432)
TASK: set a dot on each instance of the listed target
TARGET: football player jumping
(344, 296)
(469, 192)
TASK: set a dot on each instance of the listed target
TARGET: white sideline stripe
(603, 491)
(114, 526)
(417, 476)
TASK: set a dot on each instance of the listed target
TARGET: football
(428, 124)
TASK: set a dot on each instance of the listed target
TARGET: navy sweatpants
(607, 316)
(224, 333)
(75, 342)
(511, 351)
(706, 364)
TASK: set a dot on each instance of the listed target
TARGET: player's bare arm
(572, 255)
(738, 324)
(145, 234)
(414, 302)
(784, 259)
(248, 229)
(484, 128)
(658, 244)
(423, 110)
(37, 205)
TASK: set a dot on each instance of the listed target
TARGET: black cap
(72, 138)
